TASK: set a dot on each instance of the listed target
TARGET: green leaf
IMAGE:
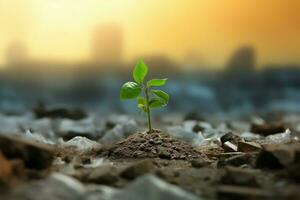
(141, 103)
(156, 103)
(140, 71)
(161, 94)
(156, 82)
(130, 90)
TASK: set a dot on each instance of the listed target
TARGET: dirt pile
(152, 145)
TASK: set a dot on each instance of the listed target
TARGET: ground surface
(206, 160)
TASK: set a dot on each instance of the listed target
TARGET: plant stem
(148, 110)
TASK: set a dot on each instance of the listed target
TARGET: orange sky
(61, 29)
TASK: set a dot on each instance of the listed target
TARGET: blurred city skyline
(207, 31)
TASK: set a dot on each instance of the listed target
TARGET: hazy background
(212, 29)
(220, 56)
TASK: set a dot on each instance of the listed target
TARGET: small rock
(197, 128)
(164, 154)
(230, 192)
(230, 137)
(41, 111)
(18, 167)
(239, 176)
(277, 156)
(138, 169)
(6, 170)
(13, 124)
(203, 126)
(180, 132)
(193, 116)
(279, 137)
(35, 155)
(294, 172)
(37, 137)
(237, 160)
(68, 158)
(189, 125)
(55, 187)
(229, 147)
(239, 126)
(268, 129)
(250, 136)
(99, 192)
(248, 146)
(198, 163)
(81, 143)
(291, 192)
(102, 175)
(68, 129)
(120, 131)
(150, 187)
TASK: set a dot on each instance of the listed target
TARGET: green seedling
(147, 98)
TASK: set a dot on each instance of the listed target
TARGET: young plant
(150, 99)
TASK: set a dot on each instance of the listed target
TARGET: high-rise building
(243, 60)
(16, 54)
(107, 45)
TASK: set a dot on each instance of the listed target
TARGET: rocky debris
(293, 172)
(153, 145)
(99, 192)
(69, 129)
(186, 134)
(250, 136)
(113, 120)
(230, 192)
(239, 126)
(6, 171)
(229, 147)
(106, 175)
(123, 128)
(256, 165)
(41, 111)
(248, 146)
(239, 176)
(41, 127)
(289, 193)
(230, 142)
(278, 138)
(149, 187)
(189, 125)
(96, 162)
(238, 160)
(199, 163)
(34, 155)
(193, 116)
(81, 143)
(202, 127)
(137, 169)
(13, 124)
(278, 156)
(230, 137)
(55, 187)
(37, 137)
(268, 128)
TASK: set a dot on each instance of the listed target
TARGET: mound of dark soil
(153, 145)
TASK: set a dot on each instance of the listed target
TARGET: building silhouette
(243, 60)
(16, 54)
(107, 45)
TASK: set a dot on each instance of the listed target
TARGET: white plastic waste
(81, 143)
(279, 137)
(37, 137)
